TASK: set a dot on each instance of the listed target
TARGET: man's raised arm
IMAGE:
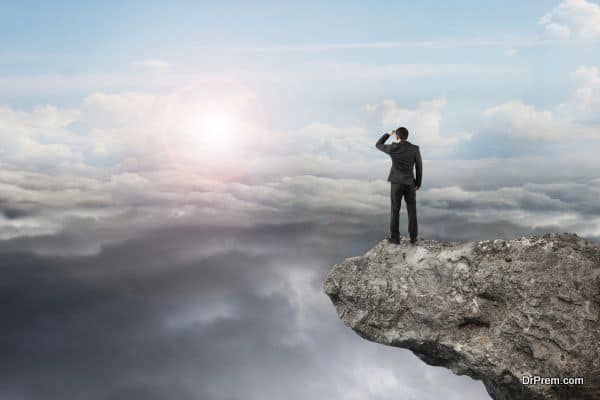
(418, 168)
(381, 143)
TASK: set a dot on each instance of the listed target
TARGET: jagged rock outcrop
(494, 310)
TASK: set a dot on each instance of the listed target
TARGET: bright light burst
(220, 138)
(215, 132)
(208, 135)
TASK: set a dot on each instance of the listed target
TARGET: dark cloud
(10, 211)
(142, 286)
(199, 313)
(13, 213)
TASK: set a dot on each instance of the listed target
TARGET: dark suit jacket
(405, 156)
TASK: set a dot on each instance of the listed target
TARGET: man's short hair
(402, 133)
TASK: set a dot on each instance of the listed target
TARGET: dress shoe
(392, 240)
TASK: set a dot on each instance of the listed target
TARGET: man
(405, 156)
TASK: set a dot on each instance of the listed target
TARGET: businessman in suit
(405, 156)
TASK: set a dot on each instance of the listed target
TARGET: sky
(177, 178)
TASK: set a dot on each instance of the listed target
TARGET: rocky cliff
(494, 310)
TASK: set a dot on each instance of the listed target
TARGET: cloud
(153, 64)
(184, 280)
(68, 215)
(517, 119)
(511, 52)
(464, 42)
(40, 136)
(352, 71)
(584, 103)
(319, 139)
(143, 267)
(188, 305)
(127, 157)
(119, 130)
(588, 75)
(573, 18)
(168, 324)
(575, 118)
(588, 95)
(155, 75)
(424, 121)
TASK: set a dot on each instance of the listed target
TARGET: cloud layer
(140, 261)
(573, 18)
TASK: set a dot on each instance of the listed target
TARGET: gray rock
(493, 310)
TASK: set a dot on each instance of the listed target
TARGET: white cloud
(130, 130)
(573, 18)
(153, 64)
(108, 210)
(585, 101)
(349, 142)
(557, 30)
(353, 71)
(588, 75)
(123, 157)
(423, 122)
(39, 137)
(423, 44)
(518, 119)
(575, 118)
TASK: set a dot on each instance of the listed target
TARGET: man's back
(405, 156)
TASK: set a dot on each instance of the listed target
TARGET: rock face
(494, 310)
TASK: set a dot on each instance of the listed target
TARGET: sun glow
(219, 139)
(215, 131)
(207, 135)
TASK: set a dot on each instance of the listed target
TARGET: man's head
(402, 133)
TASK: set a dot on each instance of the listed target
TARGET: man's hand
(417, 187)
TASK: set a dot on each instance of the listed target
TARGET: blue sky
(68, 38)
(191, 170)
(273, 48)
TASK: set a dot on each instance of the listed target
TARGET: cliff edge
(493, 310)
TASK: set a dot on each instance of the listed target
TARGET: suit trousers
(409, 192)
